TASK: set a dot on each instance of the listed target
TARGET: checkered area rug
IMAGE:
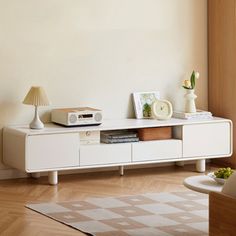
(151, 214)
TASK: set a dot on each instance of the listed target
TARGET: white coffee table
(202, 184)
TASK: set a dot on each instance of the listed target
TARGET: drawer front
(156, 150)
(52, 151)
(89, 135)
(105, 154)
(206, 139)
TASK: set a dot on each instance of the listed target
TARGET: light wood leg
(121, 168)
(179, 163)
(52, 177)
(201, 165)
(35, 175)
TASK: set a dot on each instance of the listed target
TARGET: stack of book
(119, 137)
(200, 114)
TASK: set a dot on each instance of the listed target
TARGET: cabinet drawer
(89, 137)
(52, 151)
(206, 139)
(105, 154)
(156, 150)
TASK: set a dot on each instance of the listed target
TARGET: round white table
(202, 184)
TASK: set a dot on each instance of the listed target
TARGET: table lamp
(36, 97)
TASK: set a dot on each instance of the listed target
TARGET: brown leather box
(159, 133)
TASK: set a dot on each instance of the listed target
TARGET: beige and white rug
(151, 214)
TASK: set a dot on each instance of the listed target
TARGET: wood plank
(222, 215)
(221, 62)
(15, 219)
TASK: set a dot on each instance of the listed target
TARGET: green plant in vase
(147, 110)
(190, 84)
(190, 97)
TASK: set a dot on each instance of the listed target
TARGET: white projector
(79, 116)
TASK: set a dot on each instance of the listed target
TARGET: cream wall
(97, 52)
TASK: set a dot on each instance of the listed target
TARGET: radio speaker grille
(73, 118)
(98, 117)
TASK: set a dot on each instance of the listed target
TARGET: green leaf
(186, 87)
(192, 80)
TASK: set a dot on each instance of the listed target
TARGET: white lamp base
(36, 122)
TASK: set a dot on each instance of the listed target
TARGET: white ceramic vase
(190, 97)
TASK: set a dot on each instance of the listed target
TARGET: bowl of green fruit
(221, 175)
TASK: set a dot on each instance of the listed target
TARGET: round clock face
(162, 110)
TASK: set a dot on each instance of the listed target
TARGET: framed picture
(142, 103)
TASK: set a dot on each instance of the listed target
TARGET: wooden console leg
(52, 177)
(121, 168)
(201, 165)
(35, 175)
(179, 163)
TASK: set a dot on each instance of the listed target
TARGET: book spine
(199, 117)
(192, 116)
(120, 140)
(111, 136)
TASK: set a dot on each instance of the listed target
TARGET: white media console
(57, 148)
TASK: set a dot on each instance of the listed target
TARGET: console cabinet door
(52, 151)
(105, 154)
(156, 150)
(207, 139)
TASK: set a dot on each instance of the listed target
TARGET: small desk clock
(162, 110)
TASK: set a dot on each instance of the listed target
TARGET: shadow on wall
(2, 166)
(130, 107)
(10, 111)
(46, 116)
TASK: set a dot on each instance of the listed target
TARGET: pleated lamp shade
(37, 97)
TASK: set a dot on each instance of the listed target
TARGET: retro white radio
(79, 116)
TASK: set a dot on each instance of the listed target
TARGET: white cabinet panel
(58, 148)
(52, 151)
(105, 154)
(156, 150)
(206, 139)
(89, 137)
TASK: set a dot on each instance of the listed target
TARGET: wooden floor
(16, 220)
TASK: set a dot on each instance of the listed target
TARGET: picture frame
(142, 103)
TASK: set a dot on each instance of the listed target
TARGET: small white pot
(190, 97)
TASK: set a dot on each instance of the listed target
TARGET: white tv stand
(58, 148)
